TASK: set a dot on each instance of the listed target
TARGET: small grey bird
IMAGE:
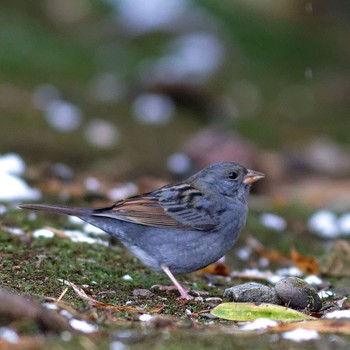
(178, 228)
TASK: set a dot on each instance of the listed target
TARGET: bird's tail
(81, 212)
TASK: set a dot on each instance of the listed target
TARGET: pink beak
(252, 176)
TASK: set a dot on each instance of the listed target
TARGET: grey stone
(298, 294)
(252, 292)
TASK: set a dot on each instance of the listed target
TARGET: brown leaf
(322, 326)
(81, 293)
(218, 268)
(306, 264)
(273, 256)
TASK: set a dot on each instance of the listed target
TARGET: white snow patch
(14, 188)
(324, 223)
(12, 163)
(117, 345)
(83, 326)
(127, 278)
(50, 306)
(338, 314)
(43, 232)
(9, 335)
(344, 224)
(273, 221)
(78, 236)
(301, 334)
(324, 294)
(142, 16)
(93, 229)
(313, 279)
(15, 231)
(123, 191)
(63, 116)
(3, 209)
(155, 109)
(145, 318)
(259, 323)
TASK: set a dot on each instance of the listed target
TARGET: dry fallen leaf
(218, 268)
(322, 326)
(273, 256)
(80, 292)
(306, 264)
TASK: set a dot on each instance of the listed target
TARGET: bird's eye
(232, 175)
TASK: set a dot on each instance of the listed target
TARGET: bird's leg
(179, 287)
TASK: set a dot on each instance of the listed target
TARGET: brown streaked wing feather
(144, 211)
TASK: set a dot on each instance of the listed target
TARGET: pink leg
(180, 288)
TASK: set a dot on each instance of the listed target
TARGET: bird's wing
(179, 207)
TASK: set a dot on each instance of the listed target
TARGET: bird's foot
(177, 285)
(184, 291)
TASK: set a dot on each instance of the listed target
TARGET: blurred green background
(111, 84)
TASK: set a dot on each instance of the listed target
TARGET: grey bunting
(177, 228)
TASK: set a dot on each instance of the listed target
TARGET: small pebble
(208, 316)
(298, 294)
(142, 293)
(252, 292)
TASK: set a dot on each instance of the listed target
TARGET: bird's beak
(252, 176)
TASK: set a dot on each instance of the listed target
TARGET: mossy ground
(36, 268)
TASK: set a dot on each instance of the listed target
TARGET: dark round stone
(252, 292)
(297, 294)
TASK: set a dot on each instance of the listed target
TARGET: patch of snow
(9, 335)
(12, 163)
(127, 278)
(123, 191)
(92, 184)
(338, 314)
(3, 209)
(179, 163)
(78, 236)
(83, 326)
(273, 221)
(145, 318)
(324, 294)
(324, 223)
(259, 323)
(301, 334)
(142, 16)
(14, 188)
(344, 224)
(63, 116)
(102, 133)
(50, 306)
(15, 231)
(43, 233)
(244, 253)
(117, 345)
(289, 271)
(155, 109)
(313, 279)
(93, 229)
